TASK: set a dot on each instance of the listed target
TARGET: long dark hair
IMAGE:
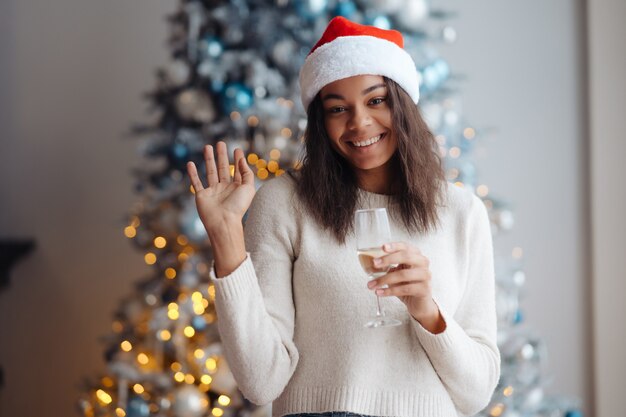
(328, 186)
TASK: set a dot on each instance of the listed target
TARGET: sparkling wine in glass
(372, 232)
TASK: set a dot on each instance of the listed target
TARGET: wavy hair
(328, 186)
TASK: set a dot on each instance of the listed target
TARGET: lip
(350, 143)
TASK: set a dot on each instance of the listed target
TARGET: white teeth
(367, 142)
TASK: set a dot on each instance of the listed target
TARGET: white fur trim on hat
(347, 56)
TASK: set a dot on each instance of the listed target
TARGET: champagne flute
(372, 232)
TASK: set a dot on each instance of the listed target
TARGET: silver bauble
(189, 401)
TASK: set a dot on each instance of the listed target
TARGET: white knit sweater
(291, 317)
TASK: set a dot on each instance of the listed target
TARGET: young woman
(291, 296)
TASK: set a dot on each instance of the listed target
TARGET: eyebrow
(364, 92)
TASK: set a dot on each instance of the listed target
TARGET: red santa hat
(347, 49)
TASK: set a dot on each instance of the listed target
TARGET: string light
(263, 173)
(189, 331)
(280, 172)
(170, 273)
(252, 158)
(196, 297)
(210, 364)
(143, 359)
(126, 346)
(518, 252)
(182, 240)
(117, 326)
(482, 190)
(138, 388)
(206, 379)
(223, 400)
(119, 412)
(182, 257)
(235, 115)
(104, 397)
(497, 410)
(165, 335)
(198, 353)
(253, 121)
(272, 166)
(231, 169)
(217, 412)
(160, 242)
(179, 376)
(455, 152)
(286, 132)
(150, 258)
(173, 314)
(107, 382)
(176, 366)
(459, 184)
(130, 231)
(190, 379)
(469, 133)
(508, 391)
(275, 154)
(261, 163)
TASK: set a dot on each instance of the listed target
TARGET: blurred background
(544, 78)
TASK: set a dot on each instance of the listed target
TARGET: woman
(291, 308)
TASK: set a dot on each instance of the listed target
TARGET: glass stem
(379, 312)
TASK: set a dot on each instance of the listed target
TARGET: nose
(359, 118)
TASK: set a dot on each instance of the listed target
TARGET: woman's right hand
(224, 199)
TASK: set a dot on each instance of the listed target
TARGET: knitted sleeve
(254, 303)
(465, 355)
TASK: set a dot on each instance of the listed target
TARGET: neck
(378, 180)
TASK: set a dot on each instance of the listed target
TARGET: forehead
(352, 85)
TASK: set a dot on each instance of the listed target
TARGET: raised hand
(225, 199)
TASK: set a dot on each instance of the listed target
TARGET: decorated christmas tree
(233, 76)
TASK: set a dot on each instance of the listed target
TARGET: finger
(405, 257)
(400, 277)
(223, 167)
(193, 175)
(247, 176)
(404, 290)
(211, 170)
(238, 155)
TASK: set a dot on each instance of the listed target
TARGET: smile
(368, 142)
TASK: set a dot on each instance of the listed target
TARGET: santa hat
(347, 49)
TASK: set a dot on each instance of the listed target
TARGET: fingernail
(387, 246)
(380, 292)
(371, 284)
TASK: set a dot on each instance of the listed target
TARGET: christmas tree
(234, 77)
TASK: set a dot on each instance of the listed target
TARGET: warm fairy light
(198, 353)
(172, 306)
(204, 402)
(263, 173)
(173, 314)
(223, 400)
(209, 318)
(508, 391)
(182, 257)
(231, 169)
(150, 258)
(189, 331)
(182, 298)
(170, 273)
(189, 250)
(165, 335)
(469, 133)
(204, 387)
(496, 410)
(107, 382)
(179, 376)
(441, 139)
(235, 115)
(206, 379)
(211, 364)
(196, 297)
(272, 166)
(138, 388)
(160, 242)
(286, 132)
(211, 292)
(189, 379)
(280, 172)
(518, 252)
(104, 397)
(119, 412)
(253, 121)
(455, 152)
(176, 366)
(459, 184)
(217, 412)
(253, 158)
(143, 359)
(205, 303)
(126, 346)
(192, 190)
(130, 231)
(117, 326)
(482, 190)
(261, 163)
(453, 173)
(182, 240)
(198, 309)
(275, 154)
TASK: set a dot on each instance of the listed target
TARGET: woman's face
(357, 118)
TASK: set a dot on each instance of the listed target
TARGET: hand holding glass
(372, 232)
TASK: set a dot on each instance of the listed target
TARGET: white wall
(607, 98)
(78, 70)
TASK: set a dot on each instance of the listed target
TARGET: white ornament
(387, 6)
(412, 13)
(189, 402)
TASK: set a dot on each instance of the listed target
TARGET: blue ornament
(198, 323)
(345, 8)
(211, 47)
(379, 21)
(310, 9)
(519, 317)
(430, 78)
(137, 407)
(442, 68)
(573, 413)
(236, 96)
(179, 152)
